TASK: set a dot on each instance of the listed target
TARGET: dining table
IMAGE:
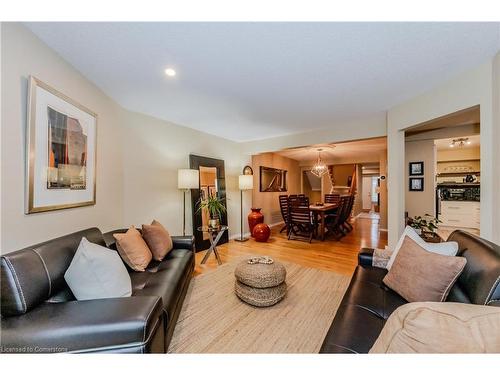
(319, 212)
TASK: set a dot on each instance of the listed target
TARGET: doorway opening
(370, 191)
(329, 169)
(443, 174)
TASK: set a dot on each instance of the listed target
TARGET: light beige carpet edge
(214, 320)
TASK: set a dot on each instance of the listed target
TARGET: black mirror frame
(195, 162)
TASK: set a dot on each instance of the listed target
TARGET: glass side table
(214, 235)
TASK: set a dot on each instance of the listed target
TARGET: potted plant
(427, 223)
(215, 208)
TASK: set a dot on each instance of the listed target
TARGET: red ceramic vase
(255, 217)
(261, 232)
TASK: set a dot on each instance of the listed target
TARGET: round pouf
(261, 232)
(259, 282)
(260, 297)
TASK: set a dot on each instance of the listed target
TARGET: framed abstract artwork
(61, 148)
(416, 184)
(416, 168)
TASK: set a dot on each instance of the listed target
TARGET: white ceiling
(245, 81)
(369, 148)
(444, 144)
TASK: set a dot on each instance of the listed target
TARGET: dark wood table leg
(322, 226)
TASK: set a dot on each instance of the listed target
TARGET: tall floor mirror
(212, 182)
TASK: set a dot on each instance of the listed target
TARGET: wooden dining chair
(283, 199)
(344, 225)
(332, 198)
(300, 224)
(293, 200)
(347, 225)
(303, 200)
(335, 220)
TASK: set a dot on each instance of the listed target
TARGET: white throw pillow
(444, 248)
(97, 272)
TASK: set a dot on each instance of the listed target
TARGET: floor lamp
(245, 182)
(187, 179)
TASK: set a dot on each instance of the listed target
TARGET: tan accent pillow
(437, 327)
(133, 250)
(158, 239)
(421, 276)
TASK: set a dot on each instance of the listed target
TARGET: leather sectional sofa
(40, 314)
(368, 302)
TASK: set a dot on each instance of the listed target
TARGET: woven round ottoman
(260, 281)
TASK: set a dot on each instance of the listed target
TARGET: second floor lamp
(187, 179)
(245, 182)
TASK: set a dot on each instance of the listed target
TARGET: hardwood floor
(338, 256)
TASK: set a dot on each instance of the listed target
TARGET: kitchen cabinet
(461, 214)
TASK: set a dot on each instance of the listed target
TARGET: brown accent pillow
(421, 276)
(434, 327)
(133, 250)
(158, 239)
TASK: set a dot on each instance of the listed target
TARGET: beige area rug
(214, 320)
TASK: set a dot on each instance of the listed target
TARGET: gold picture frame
(52, 184)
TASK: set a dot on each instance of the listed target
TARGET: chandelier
(320, 168)
(460, 142)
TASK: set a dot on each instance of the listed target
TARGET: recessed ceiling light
(170, 72)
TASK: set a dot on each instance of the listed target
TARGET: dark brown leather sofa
(368, 303)
(40, 314)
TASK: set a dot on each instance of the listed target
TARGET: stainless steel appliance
(459, 192)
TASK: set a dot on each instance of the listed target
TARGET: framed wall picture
(416, 184)
(61, 147)
(416, 168)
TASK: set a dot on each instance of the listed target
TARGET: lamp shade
(188, 179)
(245, 182)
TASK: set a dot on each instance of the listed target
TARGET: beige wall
(474, 87)
(268, 201)
(383, 190)
(137, 155)
(314, 195)
(421, 202)
(341, 173)
(153, 151)
(496, 150)
(472, 153)
(357, 207)
(495, 153)
(23, 55)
